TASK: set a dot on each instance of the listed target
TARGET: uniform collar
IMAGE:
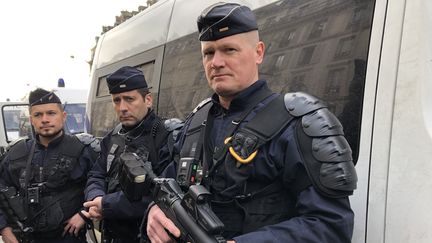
(246, 97)
(55, 142)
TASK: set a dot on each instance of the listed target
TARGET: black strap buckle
(243, 197)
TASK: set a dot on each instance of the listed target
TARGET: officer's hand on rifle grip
(8, 236)
(157, 224)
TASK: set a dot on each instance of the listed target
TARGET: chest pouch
(46, 216)
(242, 148)
(244, 145)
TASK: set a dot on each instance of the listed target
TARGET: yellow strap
(240, 159)
(236, 156)
(227, 140)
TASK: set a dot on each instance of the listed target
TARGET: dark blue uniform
(277, 211)
(122, 217)
(61, 172)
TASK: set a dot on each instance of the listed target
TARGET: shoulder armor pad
(18, 148)
(201, 104)
(321, 122)
(173, 124)
(299, 103)
(14, 142)
(330, 167)
(327, 154)
(88, 139)
(331, 149)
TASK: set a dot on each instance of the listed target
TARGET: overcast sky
(39, 38)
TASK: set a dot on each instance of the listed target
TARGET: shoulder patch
(299, 103)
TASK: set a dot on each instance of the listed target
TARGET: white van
(370, 60)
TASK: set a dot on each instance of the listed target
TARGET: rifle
(11, 204)
(189, 211)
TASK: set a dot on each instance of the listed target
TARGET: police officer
(278, 166)
(140, 131)
(42, 180)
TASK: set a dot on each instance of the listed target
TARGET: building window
(344, 47)
(279, 62)
(296, 84)
(317, 29)
(306, 55)
(287, 38)
(334, 81)
(357, 17)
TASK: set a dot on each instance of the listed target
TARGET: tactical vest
(59, 198)
(264, 204)
(146, 146)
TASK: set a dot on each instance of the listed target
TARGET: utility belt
(57, 233)
(121, 229)
(248, 212)
(46, 236)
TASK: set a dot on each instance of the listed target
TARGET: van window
(102, 88)
(16, 122)
(75, 119)
(319, 47)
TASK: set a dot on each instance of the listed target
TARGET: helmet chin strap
(132, 133)
(127, 133)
